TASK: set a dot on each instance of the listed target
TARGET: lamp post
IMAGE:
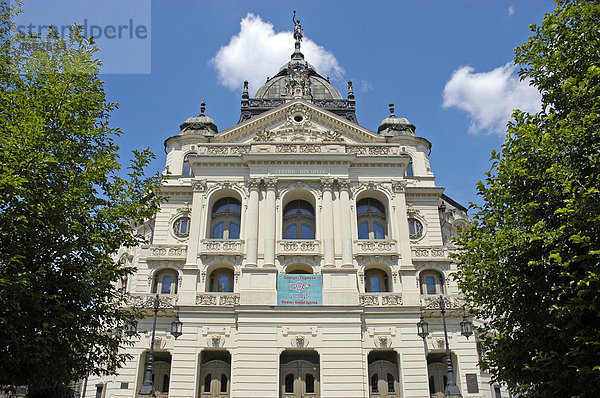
(451, 389)
(176, 330)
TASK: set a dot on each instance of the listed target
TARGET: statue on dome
(297, 29)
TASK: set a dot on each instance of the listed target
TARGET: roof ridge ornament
(391, 105)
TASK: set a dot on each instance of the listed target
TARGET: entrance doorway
(383, 374)
(299, 374)
(437, 371)
(215, 374)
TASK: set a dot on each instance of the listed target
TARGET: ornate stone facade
(300, 189)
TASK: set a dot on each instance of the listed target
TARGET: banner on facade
(299, 289)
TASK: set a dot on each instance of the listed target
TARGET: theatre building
(298, 249)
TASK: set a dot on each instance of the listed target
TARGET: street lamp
(465, 329)
(176, 330)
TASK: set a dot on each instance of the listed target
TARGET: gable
(298, 121)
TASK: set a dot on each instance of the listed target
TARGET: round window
(415, 228)
(298, 118)
(181, 227)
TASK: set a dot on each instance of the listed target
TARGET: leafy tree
(530, 263)
(65, 209)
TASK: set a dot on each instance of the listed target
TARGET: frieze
(451, 302)
(233, 246)
(222, 299)
(431, 251)
(146, 300)
(380, 300)
(300, 246)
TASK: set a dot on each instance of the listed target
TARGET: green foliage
(530, 264)
(64, 212)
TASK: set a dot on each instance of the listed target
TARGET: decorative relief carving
(270, 183)
(206, 299)
(368, 300)
(300, 341)
(411, 211)
(344, 184)
(263, 136)
(433, 302)
(327, 183)
(254, 183)
(223, 299)
(383, 341)
(199, 185)
(217, 150)
(332, 136)
(380, 300)
(399, 186)
(215, 340)
(391, 300)
(372, 150)
(146, 300)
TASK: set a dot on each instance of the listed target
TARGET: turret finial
(391, 105)
(202, 108)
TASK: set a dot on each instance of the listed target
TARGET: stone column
(327, 221)
(402, 220)
(270, 222)
(195, 222)
(251, 226)
(346, 215)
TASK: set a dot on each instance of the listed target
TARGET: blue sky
(445, 64)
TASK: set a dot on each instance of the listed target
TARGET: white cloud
(511, 10)
(490, 97)
(257, 51)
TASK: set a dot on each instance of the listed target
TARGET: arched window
(187, 168)
(390, 382)
(376, 280)
(415, 228)
(409, 169)
(431, 282)
(310, 383)
(226, 214)
(298, 220)
(371, 219)
(221, 280)
(207, 381)
(223, 382)
(374, 383)
(289, 383)
(165, 282)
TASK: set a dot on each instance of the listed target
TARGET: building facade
(299, 249)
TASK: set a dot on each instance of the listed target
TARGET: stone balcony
(364, 247)
(146, 300)
(380, 299)
(164, 252)
(309, 247)
(452, 301)
(217, 298)
(427, 253)
(222, 246)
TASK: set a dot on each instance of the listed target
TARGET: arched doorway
(437, 371)
(383, 375)
(215, 374)
(299, 374)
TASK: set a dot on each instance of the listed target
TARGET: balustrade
(375, 246)
(299, 246)
(222, 246)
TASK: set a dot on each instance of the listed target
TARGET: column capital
(399, 186)
(344, 184)
(199, 185)
(254, 183)
(270, 183)
(327, 184)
